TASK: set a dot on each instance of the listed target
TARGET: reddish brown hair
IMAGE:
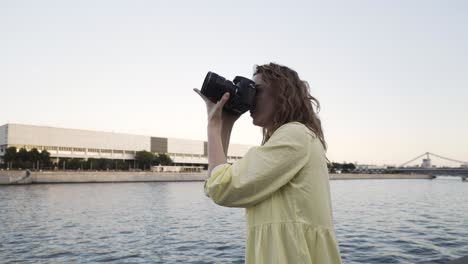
(292, 100)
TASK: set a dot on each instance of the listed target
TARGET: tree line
(41, 160)
(35, 160)
(334, 167)
(24, 159)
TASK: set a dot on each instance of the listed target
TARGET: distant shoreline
(21, 177)
(359, 176)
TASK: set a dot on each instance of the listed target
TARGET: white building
(370, 168)
(84, 144)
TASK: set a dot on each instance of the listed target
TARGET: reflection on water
(377, 221)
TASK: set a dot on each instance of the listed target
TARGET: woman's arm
(216, 151)
(228, 124)
(227, 121)
(219, 129)
(215, 134)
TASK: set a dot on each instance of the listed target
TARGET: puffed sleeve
(263, 170)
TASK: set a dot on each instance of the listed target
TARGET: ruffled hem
(291, 242)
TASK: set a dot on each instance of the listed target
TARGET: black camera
(241, 92)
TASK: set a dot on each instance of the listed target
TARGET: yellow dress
(284, 187)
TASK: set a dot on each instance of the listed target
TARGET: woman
(283, 184)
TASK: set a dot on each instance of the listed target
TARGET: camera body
(241, 92)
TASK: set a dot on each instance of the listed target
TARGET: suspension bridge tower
(426, 163)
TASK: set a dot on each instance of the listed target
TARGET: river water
(377, 221)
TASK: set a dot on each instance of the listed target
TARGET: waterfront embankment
(25, 177)
(21, 177)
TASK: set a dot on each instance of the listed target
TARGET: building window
(65, 149)
(79, 149)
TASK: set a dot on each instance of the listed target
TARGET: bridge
(426, 167)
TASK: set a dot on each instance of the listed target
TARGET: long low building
(84, 144)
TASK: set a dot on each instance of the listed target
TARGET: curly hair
(293, 101)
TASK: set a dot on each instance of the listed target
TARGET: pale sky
(392, 76)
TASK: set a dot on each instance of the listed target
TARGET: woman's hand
(216, 115)
(220, 123)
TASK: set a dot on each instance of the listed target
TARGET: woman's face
(262, 115)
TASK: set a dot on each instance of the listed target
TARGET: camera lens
(215, 86)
